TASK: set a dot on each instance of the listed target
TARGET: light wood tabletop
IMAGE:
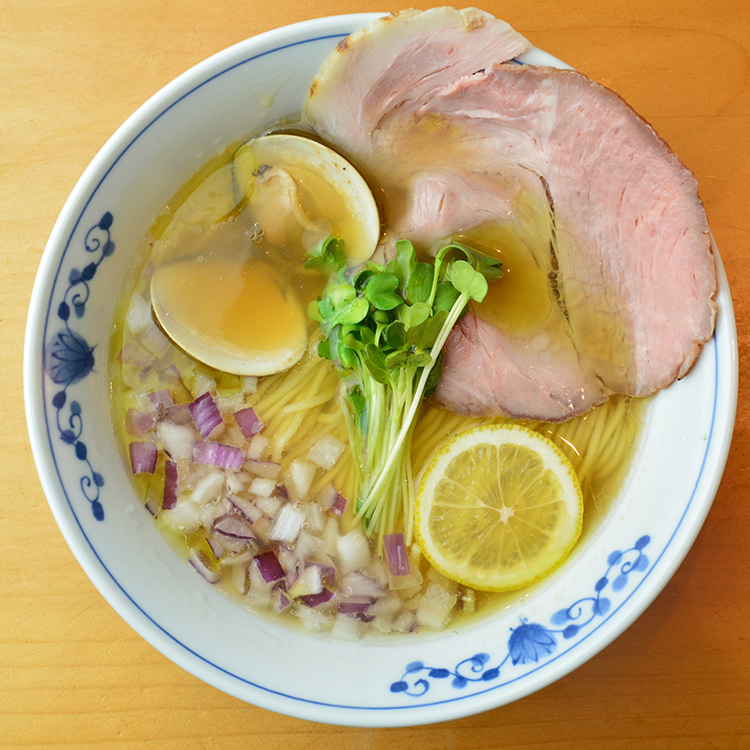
(73, 674)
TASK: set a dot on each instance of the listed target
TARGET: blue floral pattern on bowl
(531, 642)
(68, 358)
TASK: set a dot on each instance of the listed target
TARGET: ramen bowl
(393, 680)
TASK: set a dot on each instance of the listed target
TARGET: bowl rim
(103, 579)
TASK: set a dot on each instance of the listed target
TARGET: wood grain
(73, 674)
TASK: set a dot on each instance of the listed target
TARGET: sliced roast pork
(636, 274)
(615, 217)
(398, 61)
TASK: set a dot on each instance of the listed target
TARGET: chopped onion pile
(256, 524)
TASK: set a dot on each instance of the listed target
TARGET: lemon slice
(498, 508)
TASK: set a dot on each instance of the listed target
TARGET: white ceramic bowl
(604, 586)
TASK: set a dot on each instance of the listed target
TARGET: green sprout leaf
(468, 281)
(380, 291)
(419, 286)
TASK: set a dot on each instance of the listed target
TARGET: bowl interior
(405, 680)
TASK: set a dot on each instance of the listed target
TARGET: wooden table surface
(73, 674)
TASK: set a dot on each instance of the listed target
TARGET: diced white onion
(326, 452)
(405, 622)
(346, 628)
(307, 545)
(330, 536)
(287, 525)
(213, 510)
(238, 577)
(402, 583)
(269, 505)
(203, 383)
(315, 517)
(358, 584)
(262, 487)
(257, 447)
(237, 481)
(435, 607)
(138, 317)
(208, 488)
(353, 551)
(177, 440)
(256, 599)
(313, 619)
(265, 469)
(299, 479)
(185, 516)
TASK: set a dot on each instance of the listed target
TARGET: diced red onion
(263, 469)
(339, 505)
(151, 505)
(356, 608)
(234, 525)
(200, 562)
(396, 554)
(218, 454)
(169, 499)
(248, 422)
(280, 601)
(315, 600)
(179, 414)
(330, 499)
(327, 572)
(269, 566)
(205, 413)
(143, 457)
(216, 543)
(137, 423)
(161, 398)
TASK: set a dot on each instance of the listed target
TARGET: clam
(235, 305)
(294, 185)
